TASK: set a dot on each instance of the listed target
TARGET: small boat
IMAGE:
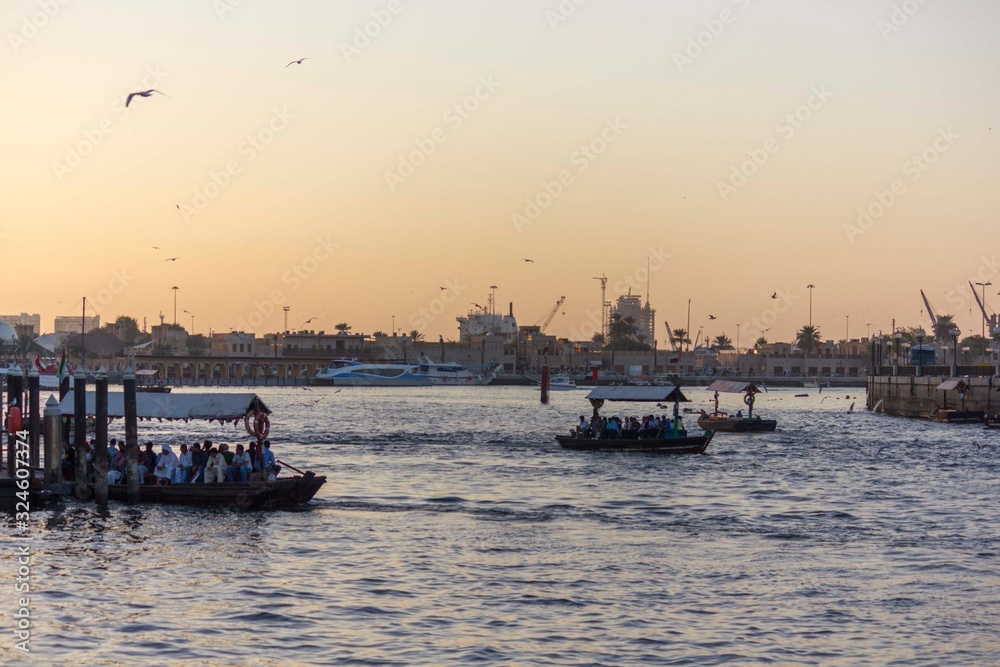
(723, 421)
(949, 416)
(674, 440)
(262, 491)
(145, 381)
(560, 383)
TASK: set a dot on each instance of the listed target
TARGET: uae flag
(62, 367)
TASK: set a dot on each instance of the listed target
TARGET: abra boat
(671, 441)
(560, 383)
(260, 492)
(726, 423)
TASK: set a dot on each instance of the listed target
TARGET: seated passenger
(166, 463)
(240, 465)
(583, 428)
(182, 473)
(215, 466)
(270, 462)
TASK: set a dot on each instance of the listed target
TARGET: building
(234, 344)
(630, 305)
(170, 337)
(69, 324)
(482, 322)
(23, 321)
(320, 344)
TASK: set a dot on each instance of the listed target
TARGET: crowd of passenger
(631, 428)
(201, 463)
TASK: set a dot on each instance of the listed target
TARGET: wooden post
(101, 433)
(53, 441)
(15, 387)
(545, 384)
(80, 432)
(34, 427)
(63, 391)
(131, 436)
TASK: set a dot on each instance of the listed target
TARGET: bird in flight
(156, 247)
(142, 93)
(528, 260)
(172, 259)
(774, 296)
(711, 317)
(296, 62)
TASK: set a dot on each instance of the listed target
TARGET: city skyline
(423, 152)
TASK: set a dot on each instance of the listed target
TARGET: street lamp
(810, 288)
(175, 288)
(984, 286)
(955, 333)
(966, 350)
(898, 336)
(192, 320)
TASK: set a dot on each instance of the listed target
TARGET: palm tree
(942, 328)
(416, 336)
(379, 333)
(761, 342)
(808, 339)
(722, 342)
(679, 337)
(343, 327)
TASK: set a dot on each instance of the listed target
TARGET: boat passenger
(69, 463)
(739, 414)
(165, 466)
(182, 473)
(613, 429)
(240, 465)
(215, 466)
(270, 462)
(120, 463)
(144, 464)
(225, 453)
(583, 428)
(199, 457)
(252, 451)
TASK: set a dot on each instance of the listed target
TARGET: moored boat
(263, 490)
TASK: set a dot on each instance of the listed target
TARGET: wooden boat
(949, 416)
(726, 423)
(145, 380)
(283, 492)
(669, 441)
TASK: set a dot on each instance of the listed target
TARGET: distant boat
(722, 421)
(560, 383)
(425, 373)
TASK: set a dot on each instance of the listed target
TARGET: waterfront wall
(910, 396)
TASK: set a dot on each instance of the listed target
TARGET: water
(453, 530)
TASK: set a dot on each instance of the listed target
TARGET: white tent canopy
(214, 406)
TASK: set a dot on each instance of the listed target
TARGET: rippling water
(453, 529)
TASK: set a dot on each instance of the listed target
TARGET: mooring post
(101, 435)
(53, 441)
(131, 436)
(34, 427)
(545, 384)
(80, 432)
(15, 405)
(63, 391)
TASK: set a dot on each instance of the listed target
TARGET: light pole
(966, 350)
(955, 333)
(984, 286)
(175, 288)
(737, 349)
(284, 308)
(920, 350)
(393, 325)
(847, 329)
(810, 288)
(898, 337)
(192, 320)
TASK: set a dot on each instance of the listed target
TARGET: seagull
(711, 317)
(774, 296)
(850, 410)
(442, 288)
(156, 247)
(172, 259)
(528, 260)
(142, 93)
(296, 62)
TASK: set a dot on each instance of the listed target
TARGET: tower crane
(547, 318)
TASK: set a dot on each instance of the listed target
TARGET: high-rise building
(70, 324)
(644, 316)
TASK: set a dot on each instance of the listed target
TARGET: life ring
(246, 421)
(261, 426)
(748, 399)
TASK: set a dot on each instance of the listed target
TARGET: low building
(234, 344)
(69, 324)
(169, 337)
(31, 324)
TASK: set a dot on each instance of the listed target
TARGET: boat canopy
(948, 385)
(146, 372)
(733, 387)
(639, 394)
(213, 407)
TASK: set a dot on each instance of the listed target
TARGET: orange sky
(354, 186)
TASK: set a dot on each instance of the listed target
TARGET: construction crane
(989, 320)
(547, 318)
(930, 311)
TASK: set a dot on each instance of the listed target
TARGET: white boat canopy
(639, 394)
(948, 385)
(732, 386)
(213, 407)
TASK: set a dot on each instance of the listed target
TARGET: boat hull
(685, 445)
(734, 425)
(371, 382)
(283, 493)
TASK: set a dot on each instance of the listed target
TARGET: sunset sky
(357, 190)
